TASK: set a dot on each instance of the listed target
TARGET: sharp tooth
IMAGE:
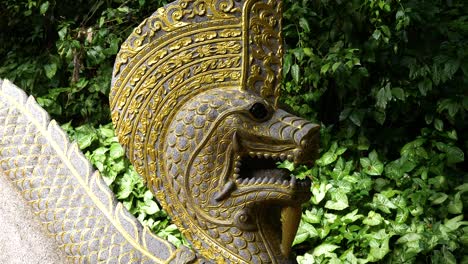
(252, 154)
(238, 164)
(285, 182)
(245, 181)
(292, 182)
(290, 218)
(235, 143)
(259, 155)
(283, 156)
(290, 157)
(251, 181)
(271, 181)
(265, 180)
(274, 156)
(235, 175)
(278, 181)
(258, 181)
(228, 188)
(236, 170)
(266, 156)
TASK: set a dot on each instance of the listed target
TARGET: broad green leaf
(438, 198)
(339, 201)
(306, 259)
(372, 165)
(455, 155)
(304, 24)
(308, 52)
(410, 237)
(50, 69)
(313, 216)
(456, 205)
(438, 124)
(305, 232)
(85, 140)
(325, 68)
(44, 7)
(462, 188)
(382, 203)
(357, 117)
(384, 96)
(116, 151)
(336, 65)
(373, 219)
(377, 34)
(324, 249)
(398, 93)
(351, 217)
(402, 215)
(454, 223)
(379, 250)
(319, 191)
(150, 207)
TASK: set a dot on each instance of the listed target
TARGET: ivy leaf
(150, 207)
(456, 205)
(331, 155)
(324, 69)
(339, 201)
(50, 70)
(351, 217)
(44, 7)
(454, 223)
(305, 232)
(378, 250)
(438, 198)
(324, 249)
(336, 65)
(116, 151)
(382, 203)
(288, 165)
(319, 191)
(372, 165)
(384, 95)
(373, 219)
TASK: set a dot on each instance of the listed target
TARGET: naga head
(194, 101)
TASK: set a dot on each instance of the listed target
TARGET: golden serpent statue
(195, 103)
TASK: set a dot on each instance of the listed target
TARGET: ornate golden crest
(194, 101)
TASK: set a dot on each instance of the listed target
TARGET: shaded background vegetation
(387, 80)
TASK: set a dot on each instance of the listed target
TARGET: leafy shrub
(387, 80)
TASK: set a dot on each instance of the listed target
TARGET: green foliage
(386, 79)
(62, 52)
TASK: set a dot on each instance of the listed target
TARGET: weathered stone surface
(22, 238)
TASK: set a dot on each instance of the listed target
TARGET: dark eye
(259, 111)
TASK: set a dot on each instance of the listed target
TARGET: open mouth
(257, 171)
(260, 169)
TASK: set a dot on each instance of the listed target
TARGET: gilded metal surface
(70, 198)
(194, 101)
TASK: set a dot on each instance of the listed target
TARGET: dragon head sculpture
(194, 102)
